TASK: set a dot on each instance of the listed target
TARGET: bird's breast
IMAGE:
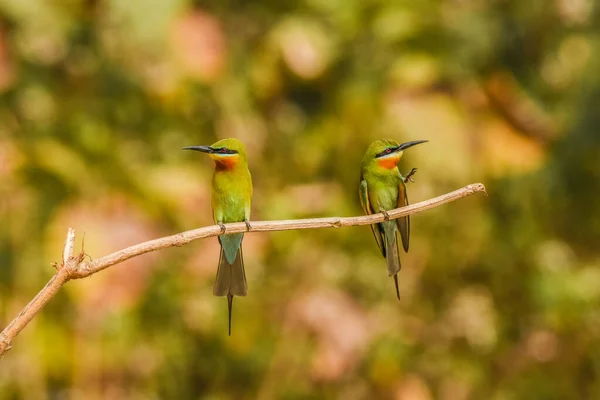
(383, 191)
(231, 196)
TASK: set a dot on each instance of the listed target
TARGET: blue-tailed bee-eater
(383, 188)
(231, 197)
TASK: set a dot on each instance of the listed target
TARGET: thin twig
(76, 268)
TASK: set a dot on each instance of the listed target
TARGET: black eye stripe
(225, 150)
(384, 153)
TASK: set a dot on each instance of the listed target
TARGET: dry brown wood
(73, 267)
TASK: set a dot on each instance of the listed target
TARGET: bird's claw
(248, 226)
(409, 176)
(222, 226)
(386, 216)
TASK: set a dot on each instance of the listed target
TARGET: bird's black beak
(204, 149)
(406, 145)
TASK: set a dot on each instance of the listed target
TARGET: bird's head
(227, 153)
(386, 153)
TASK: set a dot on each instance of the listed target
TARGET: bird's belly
(384, 199)
(229, 207)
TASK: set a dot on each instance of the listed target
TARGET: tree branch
(73, 267)
(69, 245)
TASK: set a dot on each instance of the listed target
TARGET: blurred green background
(501, 294)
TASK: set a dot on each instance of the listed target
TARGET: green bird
(231, 197)
(383, 188)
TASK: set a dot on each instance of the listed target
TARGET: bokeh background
(501, 294)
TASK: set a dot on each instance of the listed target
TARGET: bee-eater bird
(231, 197)
(383, 188)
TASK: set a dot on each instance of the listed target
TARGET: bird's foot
(409, 176)
(248, 226)
(386, 216)
(222, 226)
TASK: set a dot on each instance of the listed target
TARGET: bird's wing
(376, 228)
(403, 222)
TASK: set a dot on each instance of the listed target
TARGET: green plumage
(231, 198)
(383, 188)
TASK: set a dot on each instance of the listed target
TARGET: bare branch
(69, 246)
(75, 268)
(31, 309)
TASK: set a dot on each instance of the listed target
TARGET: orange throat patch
(225, 163)
(388, 162)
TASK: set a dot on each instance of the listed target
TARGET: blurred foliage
(500, 293)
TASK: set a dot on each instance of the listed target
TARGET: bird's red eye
(223, 150)
(387, 151)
